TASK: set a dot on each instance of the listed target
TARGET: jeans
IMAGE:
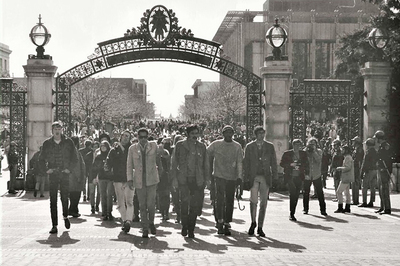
(369, 182)
(384, 190)
(74, 197)
(125, 200)
(343, 187)
(147, 205)
(320, 194)
(40, 182)
(58, 180)
(106, 196)
(225, 198)
(294, 185)
(94, 199)
(191, 204)
(261, 188)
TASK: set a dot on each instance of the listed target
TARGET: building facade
(4, 60)
(314, 28)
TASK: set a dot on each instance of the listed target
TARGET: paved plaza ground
(359, 238)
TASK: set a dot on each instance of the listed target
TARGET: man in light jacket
(143, 166)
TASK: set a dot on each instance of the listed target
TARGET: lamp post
(40, 36)
(276, 37)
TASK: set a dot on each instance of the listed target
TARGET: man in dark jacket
(384, 172)
(259, 167)
(57, 159)
(124, 190)
(190, 167)
(369, 172)
(295, 168)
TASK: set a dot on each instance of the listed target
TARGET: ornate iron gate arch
(337, 95)
(159, 38)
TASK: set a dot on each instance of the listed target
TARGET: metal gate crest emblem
(159, 23)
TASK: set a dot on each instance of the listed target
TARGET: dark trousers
(176, 201)
(163, 200)
(74, 197)
(320, 194)
(225, 198)
(294, 186)
(58, 181)
(191, 204)
(384, 190)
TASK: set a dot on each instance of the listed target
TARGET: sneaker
(184, 231)
(227, 232)
(251, 229)
(53, 230)
(67, 223)
(153, 230)
(127, 226)
(145, 233)
(260, 232)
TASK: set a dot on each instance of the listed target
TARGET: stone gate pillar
(41, 82)
(276, 77)
(376, 86)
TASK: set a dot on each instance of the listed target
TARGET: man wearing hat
(226, 157)
(358, 155)
(57, 159)
(384, 172)
(368, 173)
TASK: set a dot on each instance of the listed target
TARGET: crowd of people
(145, 170)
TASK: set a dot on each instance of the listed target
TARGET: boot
(346, 208)
(340, 208)
(251, 229)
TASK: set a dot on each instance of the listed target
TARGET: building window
(324, 55)
(301, 61)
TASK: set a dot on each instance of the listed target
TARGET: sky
(76, 26)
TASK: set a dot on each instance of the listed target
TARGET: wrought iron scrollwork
(138, 45)
(13, 98)
(339, 95)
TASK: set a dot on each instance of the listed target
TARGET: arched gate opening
(159, 38)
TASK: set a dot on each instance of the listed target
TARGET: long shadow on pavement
(368, 216)
(330, 218)
(314, 226)
(152, 243)
(56, 241)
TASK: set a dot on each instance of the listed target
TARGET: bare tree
(98, 97)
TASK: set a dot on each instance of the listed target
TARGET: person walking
(124, 190)
(346, 177)
(337, 160)
(93, 182)
(143, 167)
(57, 159)
(358, 155)
(314, 158)
(105, 180)
(369, 173)
(12, 159)
(384, 171)
(295, 168)
(260, 168)
(190, 167)
(40, 179)
(76, 182)
(226, 158)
